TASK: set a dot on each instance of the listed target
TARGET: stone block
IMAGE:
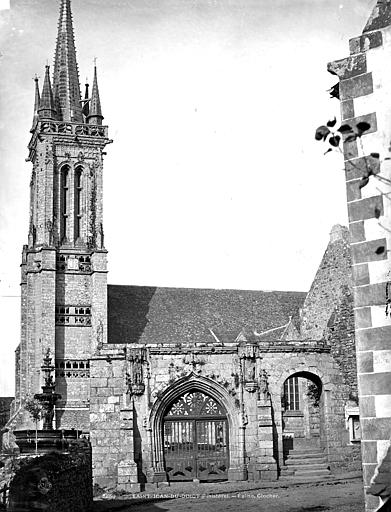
(98, 382)
(353, 191)
(101, 371)
(365, 42)
(117, 382)
(377, 338)
(370, 295)
(364, 360)
(266, 460)
(382, 361)
(356, 168)
(383, 405)
(107, 407)
(366, 251)
(372, 503)
(118, 371)
(375, 383)
(265, 444)
(237, 474)
(104, 392)
(348, 67)
(347, 109)
(360, 274)
(357, 231)
(350, 150)
(368, 472)
(355, 87)
(128, 468)
(266, 436)
(369, 452)
(375, 429)
(365, 208)
(269, 475)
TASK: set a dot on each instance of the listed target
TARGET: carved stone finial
(48, 397)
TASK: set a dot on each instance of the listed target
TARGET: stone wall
(318, 366)
(59, 482)
(126, 423)
(365, 88)
(334, 275)
(341, 339)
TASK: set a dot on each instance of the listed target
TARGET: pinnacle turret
(86, 101)
(47, 109)
(66, 75)
(95, 115)
(36, 103)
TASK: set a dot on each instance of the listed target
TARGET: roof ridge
(209, 288)
(270, 330)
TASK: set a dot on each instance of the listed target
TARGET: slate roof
(141, 314)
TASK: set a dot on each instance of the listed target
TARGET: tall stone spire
(36, 102)
(95, 115)
(47, 108)
(66, 75)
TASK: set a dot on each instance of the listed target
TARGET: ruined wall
(365, 94)
(340, 337)
(328, 308)
(59, 482)
(327, 289)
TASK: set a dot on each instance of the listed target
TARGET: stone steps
(305, 464)
(307, 467)
(304, 461)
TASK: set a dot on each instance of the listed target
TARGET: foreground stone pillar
(266, 465)
(127, 468)
(365, 94)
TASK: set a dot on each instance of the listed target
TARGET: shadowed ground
(341, 496)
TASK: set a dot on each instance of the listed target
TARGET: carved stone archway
(327, 387)
(193, 382)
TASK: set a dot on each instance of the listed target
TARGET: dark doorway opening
(195, 436)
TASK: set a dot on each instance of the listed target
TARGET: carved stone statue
(263, 383)
(135, 375)
(250, 373)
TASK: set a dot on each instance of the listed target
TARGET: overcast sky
(214, 178)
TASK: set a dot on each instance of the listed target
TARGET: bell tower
(64, 284)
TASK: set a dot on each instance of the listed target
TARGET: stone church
(170, 384)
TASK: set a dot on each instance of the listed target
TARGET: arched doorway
(195, 438)
(301, 405)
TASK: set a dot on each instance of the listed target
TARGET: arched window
(291, 394)
(78, 199)
(64, 198)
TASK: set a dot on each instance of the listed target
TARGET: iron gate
(196, 439)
